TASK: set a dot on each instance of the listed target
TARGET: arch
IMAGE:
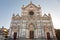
(30, 22)
(31, 26)
(31, 31)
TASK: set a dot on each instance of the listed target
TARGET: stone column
(27, 33)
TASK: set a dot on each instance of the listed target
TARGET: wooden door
(31, 34)
(48, 35)
(15, 35)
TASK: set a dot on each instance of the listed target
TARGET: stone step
(28, 39)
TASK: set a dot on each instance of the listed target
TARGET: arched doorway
(48, 36)
(31, 31)
(15, 35)
(31, 35)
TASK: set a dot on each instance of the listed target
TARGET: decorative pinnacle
(39, 5)
(23, 6)
(49, 14)
(30, 2)
(13, 14)
(17, 15)
(45, 15)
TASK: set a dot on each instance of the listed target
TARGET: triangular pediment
(31, 6)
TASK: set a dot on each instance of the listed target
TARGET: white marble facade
(31, 19)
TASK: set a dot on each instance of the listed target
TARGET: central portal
(31, 34)
(31, 31)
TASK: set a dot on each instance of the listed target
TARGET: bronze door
(31, 34)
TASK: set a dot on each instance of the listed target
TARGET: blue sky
(8, 7)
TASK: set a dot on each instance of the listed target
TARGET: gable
(31, 6)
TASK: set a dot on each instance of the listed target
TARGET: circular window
(31, 13)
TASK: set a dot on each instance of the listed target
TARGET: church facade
(32, 24)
